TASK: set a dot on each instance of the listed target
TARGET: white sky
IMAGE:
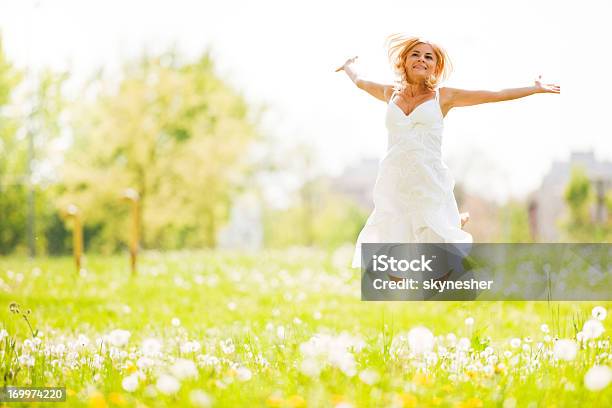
(283, 54)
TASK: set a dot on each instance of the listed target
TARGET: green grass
(246, 298)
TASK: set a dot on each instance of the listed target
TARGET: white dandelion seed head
(599, 313)
(227, 346)
(311, 367)
(176, 322)
(118, 337)
(597, 378)
(151, 347)
(243, 374)
(144, 363)
(469, 321)
(565, 349)
(130, 383)
(183, 368)
(420, 340)
(464, 344)
(515, 342)
(200, 398)
(592, 329)
(544, 328)
(190, 347)
(168, 384)
(369, 376)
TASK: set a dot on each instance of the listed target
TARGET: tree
(580, 196)
(173, 131)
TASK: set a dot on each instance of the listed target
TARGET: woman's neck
(413, 90)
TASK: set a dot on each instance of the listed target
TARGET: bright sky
(283, 54)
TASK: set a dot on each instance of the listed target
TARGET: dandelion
(167, 384)
(176, 322)
(118, 337)
(97, 400)
(420, 340)
(592, 329)
(369, 376)
(200, 398)
(469, 321)
(464, 344)
(544, 328)
(597, 378)
(243, 374)
(311, 367)
(144, 363)
(26, 360)
(130, 383)
(183, 368)
(151, 347)
(565, 349)
(82, 341)
(227, 346)
(231, 306)
(515, 342)
(190, 347)
(599, 313)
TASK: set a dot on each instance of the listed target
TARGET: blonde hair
(399, 46)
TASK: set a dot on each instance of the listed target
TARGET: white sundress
(413, 195)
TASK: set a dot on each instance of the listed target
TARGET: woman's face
(421, 62)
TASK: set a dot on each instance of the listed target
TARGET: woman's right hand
(348, 61)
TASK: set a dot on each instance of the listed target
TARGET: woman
(413, 194)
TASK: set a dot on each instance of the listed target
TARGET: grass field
(284, 329)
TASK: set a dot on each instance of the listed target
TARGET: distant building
(547, 204)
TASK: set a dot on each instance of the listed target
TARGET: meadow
(284, 329)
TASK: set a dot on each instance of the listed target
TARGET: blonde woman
(413, 194)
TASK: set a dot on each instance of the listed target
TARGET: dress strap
(437, 93)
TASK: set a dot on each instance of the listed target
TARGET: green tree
(580, 198)
(173, 131)
(12, 162)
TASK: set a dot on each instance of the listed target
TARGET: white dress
(413, 195)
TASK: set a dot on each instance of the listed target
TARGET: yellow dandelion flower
(295, 401)
(70, 392)
(274, 401)
(422, 379)
(337, 399)
(409, 400)
(471, 403)
(472, 374)
(131, 368)
(447, 388)
(97, 400)
(117, 399)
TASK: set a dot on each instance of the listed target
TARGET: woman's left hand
(546, 88)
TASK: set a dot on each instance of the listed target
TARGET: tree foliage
(175, 133)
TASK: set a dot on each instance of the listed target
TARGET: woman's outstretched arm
(460, 97)
(379, 91)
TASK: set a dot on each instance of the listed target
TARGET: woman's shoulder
(389, 91)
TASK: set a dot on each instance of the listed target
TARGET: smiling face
(420, 62)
